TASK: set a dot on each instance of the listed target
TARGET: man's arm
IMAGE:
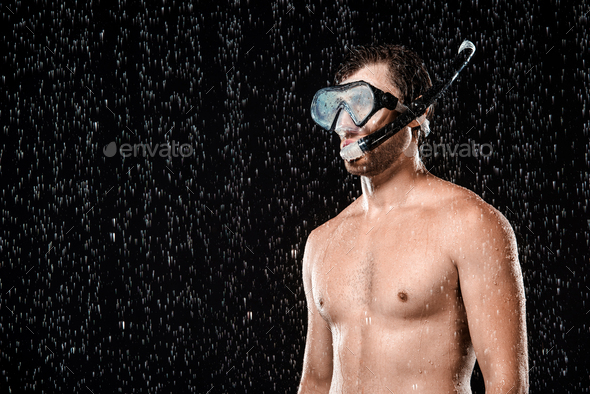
(317, 362)
(492, 288)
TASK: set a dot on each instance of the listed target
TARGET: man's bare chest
(398, 271)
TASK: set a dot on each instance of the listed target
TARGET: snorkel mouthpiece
(414, 110)
(353, 151)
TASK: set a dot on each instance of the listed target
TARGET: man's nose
(345, 122)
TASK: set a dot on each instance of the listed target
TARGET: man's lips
(347, 142)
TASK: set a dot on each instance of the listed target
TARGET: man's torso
(391, 297)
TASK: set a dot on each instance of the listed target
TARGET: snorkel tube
(414, 110)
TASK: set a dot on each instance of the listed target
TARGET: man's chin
(357, 167)
(372, 163)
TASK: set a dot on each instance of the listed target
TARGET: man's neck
(391, 188)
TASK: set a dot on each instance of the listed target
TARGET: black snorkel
(414, 110)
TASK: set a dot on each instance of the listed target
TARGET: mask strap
(400, 107)
(423, 123)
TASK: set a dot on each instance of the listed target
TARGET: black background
(152, 274)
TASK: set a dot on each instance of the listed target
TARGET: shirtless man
(418, 276)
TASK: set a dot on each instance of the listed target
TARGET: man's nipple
(402, 296)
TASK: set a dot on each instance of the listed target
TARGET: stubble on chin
(378, 160)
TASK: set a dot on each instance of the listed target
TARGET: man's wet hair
(406, 69)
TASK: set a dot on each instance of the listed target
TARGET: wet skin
(411, 282)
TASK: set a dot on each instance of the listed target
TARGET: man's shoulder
(328, 227)
(316, 239)
(470, 216)
(462, 202)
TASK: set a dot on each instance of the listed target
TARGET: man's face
(382, 157)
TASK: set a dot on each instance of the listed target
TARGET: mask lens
(325, 107)
(360, 102)
(357, 100)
